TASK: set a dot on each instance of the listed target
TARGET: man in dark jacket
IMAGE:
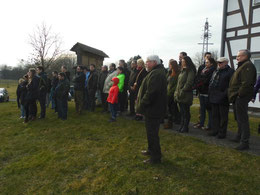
(79, 82)
(132, 80)
(151, 102)
(240, 92)
(54, 83)
(43, 88)
(218, 98)
(92, 87)
(101, 82)
(61, 94)
(31, 95)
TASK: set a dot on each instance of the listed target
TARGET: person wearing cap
(240, 92)
(218, 98)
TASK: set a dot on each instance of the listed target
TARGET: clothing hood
(115, 80)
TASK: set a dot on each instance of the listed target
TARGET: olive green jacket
(152, 95)
(242, 82)
(183, 93)
(172, 84)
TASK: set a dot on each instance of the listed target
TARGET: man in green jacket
(240, 92)
(151, 102)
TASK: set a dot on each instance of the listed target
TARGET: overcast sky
(120, 28)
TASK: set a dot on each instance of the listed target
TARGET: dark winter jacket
(79, 81)
(218, 86)
(54, 82)
(242, 82)
(203, 79)
(92, 81)
(21, 92)
(172, 84)
(127, 75)
(183, 93)
(132, 78)
(33, 89)
(101, 80)
(152, 95)
(140, 77)
(62, 90)
(43, 83)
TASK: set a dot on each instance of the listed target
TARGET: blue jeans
(22, 110)
(204, 105)
(113, 110)
(62, 105)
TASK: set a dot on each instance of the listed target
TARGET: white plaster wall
(234, 21)
(230, 34)
(232, 5)
(242, 32)
(236, 45)
(256, 16)
(255, 44)
(255, 30)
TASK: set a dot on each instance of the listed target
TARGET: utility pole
(205, 37)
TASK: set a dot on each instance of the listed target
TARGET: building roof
(86, 48)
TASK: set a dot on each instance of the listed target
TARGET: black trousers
(42, 100)
(220, 119)
(132, 99)
(241, 116)
(92, 99)
(152, 130)
(104, 101)
(122, 101)
(185, 114)
(30, 108)
(173, 111)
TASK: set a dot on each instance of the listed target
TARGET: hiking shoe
(242, 146)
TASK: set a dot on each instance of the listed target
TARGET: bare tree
(198, 58)
(46, 46)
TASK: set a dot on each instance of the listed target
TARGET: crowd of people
(151, 91)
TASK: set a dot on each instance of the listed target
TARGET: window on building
(257, 2)
(257, 66)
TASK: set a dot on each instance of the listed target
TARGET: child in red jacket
(112, 99)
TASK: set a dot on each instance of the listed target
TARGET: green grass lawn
(88, 155)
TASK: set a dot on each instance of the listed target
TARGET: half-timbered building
(241, 30)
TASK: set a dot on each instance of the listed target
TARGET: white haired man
(240, 92)
(151, 102)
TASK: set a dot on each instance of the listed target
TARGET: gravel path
(202, 135)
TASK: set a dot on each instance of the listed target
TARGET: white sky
(120, 28)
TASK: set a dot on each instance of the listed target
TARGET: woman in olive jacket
(183, 93)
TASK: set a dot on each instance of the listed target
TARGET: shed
(87, 55)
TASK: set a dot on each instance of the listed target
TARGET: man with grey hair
(218, 98)
(151, 102)
(240, 92)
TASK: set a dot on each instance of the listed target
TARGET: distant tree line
(14, 73)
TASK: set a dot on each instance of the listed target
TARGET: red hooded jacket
(113, 92)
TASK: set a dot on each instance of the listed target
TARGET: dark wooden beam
(230, 54)
(243, 27)
(243, 36)
(233, 12)
(242, 12)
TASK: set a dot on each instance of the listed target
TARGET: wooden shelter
(88, 55)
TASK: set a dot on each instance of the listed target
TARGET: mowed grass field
(88, 155)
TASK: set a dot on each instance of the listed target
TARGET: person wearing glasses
(218, 98)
